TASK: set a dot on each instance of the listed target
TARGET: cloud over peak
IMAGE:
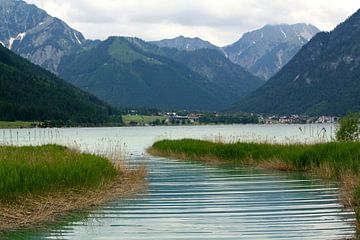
(220, 22)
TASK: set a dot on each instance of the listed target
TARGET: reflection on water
(194, 201)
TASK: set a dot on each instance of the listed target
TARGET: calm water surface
(193, 201)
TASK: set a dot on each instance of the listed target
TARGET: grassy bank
(40, 184)
(335, 160)
(18, 124)
(142, 119)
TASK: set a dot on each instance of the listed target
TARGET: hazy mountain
(123, 71)
(27, 92)
(265, 51)
(33, 34)
(323, 78)
(184, 43)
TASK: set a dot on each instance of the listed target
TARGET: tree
(349, 128)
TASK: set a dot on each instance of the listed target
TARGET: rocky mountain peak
(265, 51)
(35, 35)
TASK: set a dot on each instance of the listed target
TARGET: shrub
(349, 128)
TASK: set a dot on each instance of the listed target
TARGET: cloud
(220, 22)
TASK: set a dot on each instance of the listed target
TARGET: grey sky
(220, 22)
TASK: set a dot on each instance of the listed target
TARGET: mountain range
(323, 78)
(190, 77)
(262, 52)
(307, 74)
(131, 72)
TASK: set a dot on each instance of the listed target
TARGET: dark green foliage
(322, 79)
(29, 93)
(36, 170)
(349, 129)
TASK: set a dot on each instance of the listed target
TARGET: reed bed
(40, 184)
(333, 160)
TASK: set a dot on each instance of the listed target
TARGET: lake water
(194, 201)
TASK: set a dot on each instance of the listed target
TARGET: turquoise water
(194, 201)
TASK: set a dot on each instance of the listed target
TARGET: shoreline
(6, 125)
(37, 210)
(41, 185)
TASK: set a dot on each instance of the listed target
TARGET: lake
(187, 200)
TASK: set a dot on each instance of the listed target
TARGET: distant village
(173, 118)
(296, 119)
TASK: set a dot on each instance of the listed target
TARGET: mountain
(184, 43)
(213, 65)
(123, 71)
(35, 35)
(265, 51)
(323, 78)
(27, 92)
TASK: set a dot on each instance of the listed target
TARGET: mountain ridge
(29, 92)
(265, 51)
(32, 33)
(323, 78)
(185, 43)
(121, 73)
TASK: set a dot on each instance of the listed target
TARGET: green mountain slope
(213, 65)
(27, 92)
(323, 78)
(122, 72)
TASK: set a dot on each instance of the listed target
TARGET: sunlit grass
(17, 124)
(141, 119)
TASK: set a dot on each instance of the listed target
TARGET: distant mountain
(323, 78)
(35, 35)
(213, 65)
(124, 72)
(184, 43)
(27, 92)
(265, 51)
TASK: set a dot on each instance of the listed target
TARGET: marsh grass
(40, 184)
(34, 170)
(333, 160)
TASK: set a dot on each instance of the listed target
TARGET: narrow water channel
(187, 200)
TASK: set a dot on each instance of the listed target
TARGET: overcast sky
(220, 21)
